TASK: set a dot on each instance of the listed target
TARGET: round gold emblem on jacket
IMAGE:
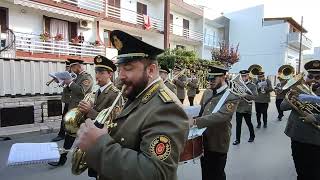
(230, 107)
(160, 147)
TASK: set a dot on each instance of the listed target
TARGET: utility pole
(166, 28)
(300, 45)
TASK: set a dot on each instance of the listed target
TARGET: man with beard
(244, 109)
(78, 88)
(149, 133)
(305, 138)
(164, 71)
(217, 108)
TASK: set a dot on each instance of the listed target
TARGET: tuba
(298, 86)
(285, 72)
(254, 71)
(239, 88)
(74, 117)
(105, 117)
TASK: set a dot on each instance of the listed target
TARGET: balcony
(294, 40)
(211, 41)
(125, 16)
(186, 33)
(31, 45)
(92, 5)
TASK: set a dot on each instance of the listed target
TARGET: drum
(192, 150)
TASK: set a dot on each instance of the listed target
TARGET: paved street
(268, 158)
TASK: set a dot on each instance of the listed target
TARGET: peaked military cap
(312, 66)
(75, 61)
(131, 49)
(217, 69)
(102, 63)
(68, 63)
(261, 73)
(244, 72)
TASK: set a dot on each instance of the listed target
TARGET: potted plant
(45, 36)
(75, 40)
(58, 37)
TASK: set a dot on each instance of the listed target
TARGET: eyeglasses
(311, 76)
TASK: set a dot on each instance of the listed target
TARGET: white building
(269, 42)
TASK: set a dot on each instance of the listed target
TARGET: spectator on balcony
(81, 38)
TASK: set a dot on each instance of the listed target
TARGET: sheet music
(33, 153)
(65, 75)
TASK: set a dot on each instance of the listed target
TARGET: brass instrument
(298, 86)
(254, 71)
(105, 117)
(239, 88)
(72, 74)
(74, 117)
(286, 72)
(49, 82)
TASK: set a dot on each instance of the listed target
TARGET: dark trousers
(62, 131)
(191, 100)
(212, 165)
(181, 100)
(262, 109)
(306, 159)
(280, 112)
(68, 142)
(247, 118)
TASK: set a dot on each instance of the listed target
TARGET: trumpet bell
(72, 120)
(286, 72)
(254, 70)
(297, 83)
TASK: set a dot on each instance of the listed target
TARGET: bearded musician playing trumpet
(302, 127)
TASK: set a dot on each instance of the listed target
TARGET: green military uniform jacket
(66, 95)
(147, 141)
(171, 86)
(298, 130)
(280, 94)
(180, 83)
(103, 101)
(79, 87)
(218, 132)
(192, 88)
(264, 97)
(244, 106)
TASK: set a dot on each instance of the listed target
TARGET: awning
(52, 9)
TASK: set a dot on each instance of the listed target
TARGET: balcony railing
(33, 44)
(187, 33)
(132, 17)
(294, 39)
(93, 5)
(211, 40)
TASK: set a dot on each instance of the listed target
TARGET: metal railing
(93, 5)
(32, 43)
(132, 17)
(187, 33)
(211, 40)
(295, 37)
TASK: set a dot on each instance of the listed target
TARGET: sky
(309, 9)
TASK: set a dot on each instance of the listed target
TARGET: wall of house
(178, 23)
(258, 44)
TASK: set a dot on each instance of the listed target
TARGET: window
(171, 18)
(141, 8)
(4, 19)
(55, 26)
(106, 37)
(115, 3)
(185, 28)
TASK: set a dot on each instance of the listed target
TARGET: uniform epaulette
(150, 92)
(166, 98)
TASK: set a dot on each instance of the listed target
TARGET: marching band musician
(105, 95)
(244, 109)
(65, 98)
(180, 82)
(78, 88)
(262, 100)
(280, 95)
(164, 71)
(150, 131)
(217, 120)
(305, 138)
(192, 86)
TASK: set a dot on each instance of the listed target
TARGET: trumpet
(49, 82)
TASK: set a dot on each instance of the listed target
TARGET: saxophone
(104, 118)
(298, 86)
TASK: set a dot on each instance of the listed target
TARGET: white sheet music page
(65, 75)
(33, 153)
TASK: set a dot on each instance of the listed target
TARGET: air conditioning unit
(85, 24)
